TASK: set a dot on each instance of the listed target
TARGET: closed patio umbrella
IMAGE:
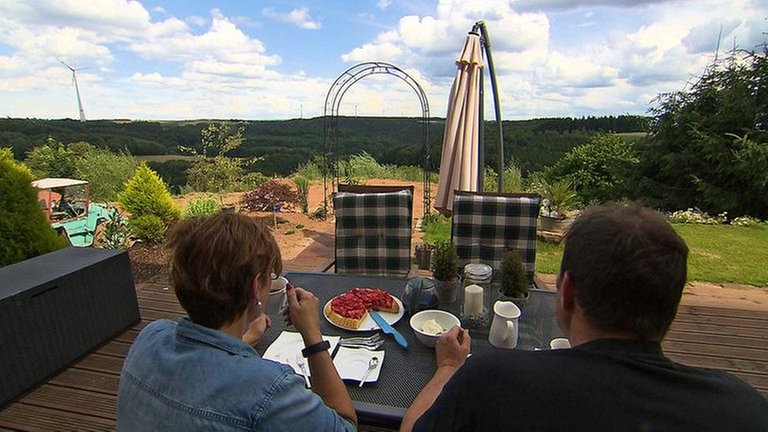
(458, 163)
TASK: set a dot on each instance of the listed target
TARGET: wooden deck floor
(83, 397)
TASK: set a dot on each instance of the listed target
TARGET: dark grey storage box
(57, 307)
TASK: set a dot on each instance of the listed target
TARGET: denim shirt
(189, 377)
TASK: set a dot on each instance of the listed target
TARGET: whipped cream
(432, 327)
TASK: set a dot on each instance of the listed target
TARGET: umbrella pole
(481, 136)
(486, 41)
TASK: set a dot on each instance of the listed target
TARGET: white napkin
(352, 363)
(288, 346)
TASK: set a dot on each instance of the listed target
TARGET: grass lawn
(718, 253)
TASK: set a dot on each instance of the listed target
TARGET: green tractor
(66, 203)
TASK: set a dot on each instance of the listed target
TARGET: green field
(718, 253)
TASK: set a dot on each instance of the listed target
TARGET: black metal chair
(373, 229)
(487, 225)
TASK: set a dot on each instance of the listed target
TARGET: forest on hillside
(283, 145)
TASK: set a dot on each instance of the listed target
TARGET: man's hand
(451, 350)
(257, 329)
(453, 347)
(303, 312)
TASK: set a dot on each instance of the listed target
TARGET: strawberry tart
(349, 309)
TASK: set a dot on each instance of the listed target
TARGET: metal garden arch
(331, 120)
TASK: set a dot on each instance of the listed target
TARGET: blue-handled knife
(386, 328)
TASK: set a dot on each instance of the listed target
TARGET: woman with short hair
(202, 372)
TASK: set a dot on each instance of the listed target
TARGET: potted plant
(515, 283)
(424, 256)
(558, 197)
(445, 270)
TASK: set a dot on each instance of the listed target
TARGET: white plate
(352, 363)
(288, 346)
(368, 323)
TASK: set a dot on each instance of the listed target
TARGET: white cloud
(430, 41)
(196, 21)
(565, 5)
(299, 17)
(223, 41)
(372, 51)
(383, 4)
(704, 37)
(219, 67)
(563, 70)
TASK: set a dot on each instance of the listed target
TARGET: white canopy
(50, 183)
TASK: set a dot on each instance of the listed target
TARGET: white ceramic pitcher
(504, 326)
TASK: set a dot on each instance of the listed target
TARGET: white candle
(473, 300)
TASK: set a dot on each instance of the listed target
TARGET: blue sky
(267, 59)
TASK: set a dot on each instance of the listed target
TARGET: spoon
(371, 366)
(302, 366)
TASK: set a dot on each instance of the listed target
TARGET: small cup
(559, 343)
(277, 296)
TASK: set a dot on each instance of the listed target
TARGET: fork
(303, 367)
(371, 342)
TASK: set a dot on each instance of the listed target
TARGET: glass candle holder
(475, 307)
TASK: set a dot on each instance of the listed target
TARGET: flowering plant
(696, 216)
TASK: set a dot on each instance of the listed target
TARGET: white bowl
(446, 320)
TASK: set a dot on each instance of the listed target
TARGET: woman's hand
(304, 313)
(257, 329)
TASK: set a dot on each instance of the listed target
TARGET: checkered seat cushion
(373, 232)
(486, 226)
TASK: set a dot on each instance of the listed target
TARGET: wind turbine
(77, 89)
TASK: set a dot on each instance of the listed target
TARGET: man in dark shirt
(620, 282)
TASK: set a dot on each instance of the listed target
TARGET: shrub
(214, 175)
(149, 228)
(106, 172)
(204, 205)
(600, 170)
(513, 179)
(253, 179)
(23, 227)
(745, 221)
(360, 167)
(319, 213)
(146, 194)
(116, 232)
(268, 195)
(695, 216)
(213, 170)
(52, 159)
(707, 143)
(302, 186)
(312, 169)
